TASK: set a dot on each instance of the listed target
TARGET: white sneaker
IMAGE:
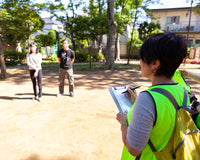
(40, 99)
(59, 95)
(71, 94)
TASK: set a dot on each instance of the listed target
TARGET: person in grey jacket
(34, 60)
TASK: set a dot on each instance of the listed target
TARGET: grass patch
(48, 65)
(48, 61)
(128, 66)
(94, 67)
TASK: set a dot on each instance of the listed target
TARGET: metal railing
(183, 27)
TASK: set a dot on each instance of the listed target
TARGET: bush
(13, 57)
(97, 58)
(82, 56)
(53, 58)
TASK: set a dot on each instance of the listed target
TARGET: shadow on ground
(91, 79)
(86, 79)
(37, 157)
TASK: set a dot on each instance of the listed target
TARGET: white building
(177, 20)
(51, 24)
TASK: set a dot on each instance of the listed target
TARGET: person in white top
(34, 60)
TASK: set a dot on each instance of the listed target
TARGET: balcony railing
(183, 27)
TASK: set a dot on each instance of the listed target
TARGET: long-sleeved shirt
(34, 61)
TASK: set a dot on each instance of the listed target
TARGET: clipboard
(120, 99)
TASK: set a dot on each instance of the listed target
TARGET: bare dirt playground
(65, 128)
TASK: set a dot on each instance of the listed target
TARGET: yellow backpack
(184, 143)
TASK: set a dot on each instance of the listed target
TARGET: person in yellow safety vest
(193, 99)
(152, 116)
(177, 77)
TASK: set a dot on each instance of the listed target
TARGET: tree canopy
(19, 21)
(19, 18)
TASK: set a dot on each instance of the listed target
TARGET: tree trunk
(89, 50)
(117, 58)
(72, 36)
(73, 42)
(100, 39)
(134, 23)
(3, 65)
(110, 48)
(100, 45)
(47, 54)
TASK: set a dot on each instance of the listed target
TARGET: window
(173, 20)
(191, 28)
(197, 41)
(190, 43)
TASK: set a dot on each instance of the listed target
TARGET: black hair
(168, 48)
(66, 39)
(34, 44)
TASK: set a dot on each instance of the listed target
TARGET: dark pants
(70, 77)
(39, 80)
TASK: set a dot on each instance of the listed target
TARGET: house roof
(52, 21)
(165, 9)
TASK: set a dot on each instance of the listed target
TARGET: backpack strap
(169, 96)
(173, 100)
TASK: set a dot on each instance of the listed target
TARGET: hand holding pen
(131, 89)
(131, 94)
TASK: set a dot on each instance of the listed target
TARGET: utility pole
(188, 30)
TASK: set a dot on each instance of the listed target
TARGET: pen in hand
(131, 89)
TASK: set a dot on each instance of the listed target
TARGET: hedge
(13, 57)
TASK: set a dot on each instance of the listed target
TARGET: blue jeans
(39, 80)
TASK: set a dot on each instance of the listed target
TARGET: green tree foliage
(148, 29)
(97, 12)
(123, 16)
(46, 40)
(135, 43)
(135, 5)
(19, 18)
(139, 9)
(66, 14)
(93, 25)
(124, 13)
(3, 15)
(52, 37)
(22, 20)
(41, 40)
(13, 57)
(85, 30)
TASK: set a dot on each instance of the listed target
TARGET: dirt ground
(79, 128)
